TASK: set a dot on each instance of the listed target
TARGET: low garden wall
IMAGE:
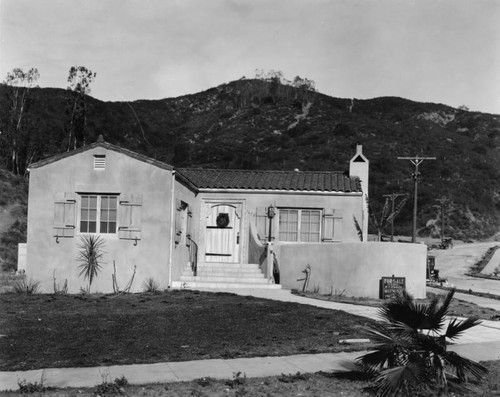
(352, 269)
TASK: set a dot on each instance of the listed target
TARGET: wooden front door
(223, 233)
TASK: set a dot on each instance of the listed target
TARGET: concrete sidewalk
(480, 343)
(182, 371)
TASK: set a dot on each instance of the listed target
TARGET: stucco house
(189, 228)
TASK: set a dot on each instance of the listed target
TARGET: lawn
(44, 331)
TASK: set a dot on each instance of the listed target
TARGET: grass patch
(478, 267)
(91, 330)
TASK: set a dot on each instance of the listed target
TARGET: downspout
(172, 231)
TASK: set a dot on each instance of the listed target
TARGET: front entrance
(222, 236)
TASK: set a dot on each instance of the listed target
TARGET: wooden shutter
(189, 226)
(64, 215)
(262, 223)
(332, 225)
(178, 221)
(129, 216)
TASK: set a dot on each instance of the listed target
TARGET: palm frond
(457, 327)
(395, 381)
(440, 308)
(463, 365)
(397, 210)
(385, 212)
(358, 228)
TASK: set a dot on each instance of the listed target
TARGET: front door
(223, 233)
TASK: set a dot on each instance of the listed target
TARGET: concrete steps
(224, 275)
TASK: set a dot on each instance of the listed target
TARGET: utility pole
(393, 197)
(442, 202)
(416, 161)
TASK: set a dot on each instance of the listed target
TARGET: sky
(442, 51)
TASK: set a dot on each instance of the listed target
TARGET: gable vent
(99, 162)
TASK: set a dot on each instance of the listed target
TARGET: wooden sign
(390, 287)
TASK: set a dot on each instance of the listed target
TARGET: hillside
(254, 124)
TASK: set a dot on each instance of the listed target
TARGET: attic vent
(99, 162)
(358, 159)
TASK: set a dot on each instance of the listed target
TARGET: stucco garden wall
(353, 269)
(123, 175)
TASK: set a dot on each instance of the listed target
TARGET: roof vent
(99, 161)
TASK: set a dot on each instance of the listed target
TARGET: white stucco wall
(123, 175)
(353, 269)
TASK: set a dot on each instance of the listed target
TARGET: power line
(416, 161)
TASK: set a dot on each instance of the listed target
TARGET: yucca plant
(90, 256)
(412, 348)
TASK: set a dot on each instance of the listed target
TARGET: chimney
(358, 166)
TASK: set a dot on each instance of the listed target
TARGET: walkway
(480, 343)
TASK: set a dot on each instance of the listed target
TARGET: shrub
(111, 388)
(31, 387)
(90, 254)
(412, 355)
(28, 287)
(239, 379)
(151, 286)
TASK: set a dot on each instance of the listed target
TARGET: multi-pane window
(98, 213)
(300, 225)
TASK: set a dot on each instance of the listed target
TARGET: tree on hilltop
(79, 78)
(13, 126)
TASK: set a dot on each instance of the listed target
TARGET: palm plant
(411, 353)
(387, 215)
(90, 254)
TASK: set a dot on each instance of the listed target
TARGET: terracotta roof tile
(322, 181)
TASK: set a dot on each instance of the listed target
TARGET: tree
(387, 216)
(19, 83)
(79, 78)
(411, 354)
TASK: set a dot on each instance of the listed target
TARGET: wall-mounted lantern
(271, 213)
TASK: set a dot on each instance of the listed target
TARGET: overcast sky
(444, 51)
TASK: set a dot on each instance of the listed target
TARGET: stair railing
(193, 255)
(270, 261)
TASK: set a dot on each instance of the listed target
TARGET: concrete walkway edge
(182, 371)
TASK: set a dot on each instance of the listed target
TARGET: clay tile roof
(321, 181)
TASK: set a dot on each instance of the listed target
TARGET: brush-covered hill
(256, 124)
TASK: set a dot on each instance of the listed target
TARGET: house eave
(281, 191)
(107, 146)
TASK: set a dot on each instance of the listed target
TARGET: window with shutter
(64, 215)
(299, 225)
(129, 216)
(98, 213)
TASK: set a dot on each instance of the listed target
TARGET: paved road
(454, 263)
